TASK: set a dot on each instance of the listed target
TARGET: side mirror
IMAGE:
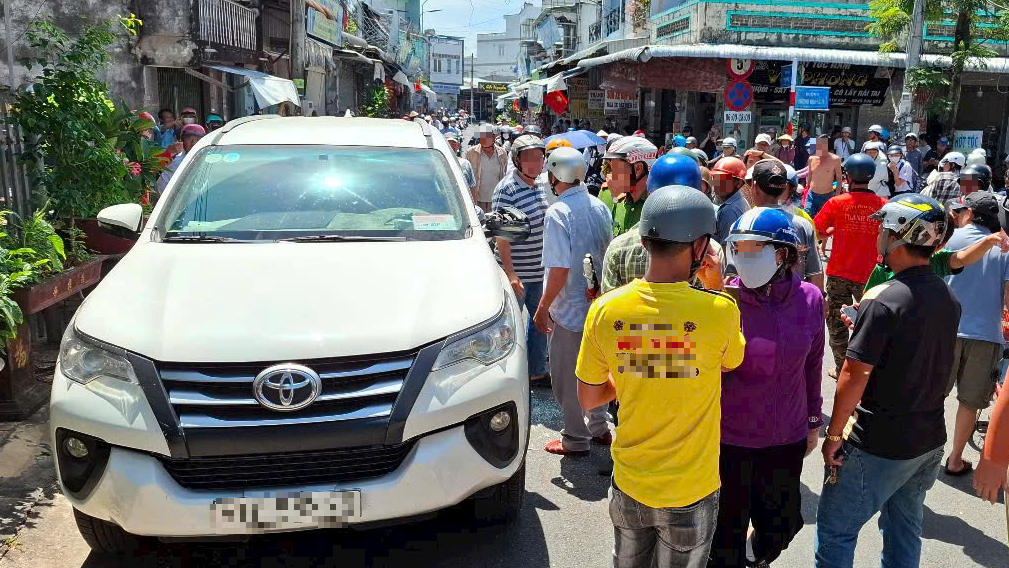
(507, 223)
(121, 220)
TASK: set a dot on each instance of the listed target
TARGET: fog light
(500, 421)
(76, 448)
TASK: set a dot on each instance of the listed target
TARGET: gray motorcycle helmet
(677, 213)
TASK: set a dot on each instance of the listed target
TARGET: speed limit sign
(740, 68)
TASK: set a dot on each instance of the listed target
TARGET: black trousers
(759, 486)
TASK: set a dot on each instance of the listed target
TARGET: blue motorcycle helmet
(679, 141)
(674, 169)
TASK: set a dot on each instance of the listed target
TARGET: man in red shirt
(854, 253)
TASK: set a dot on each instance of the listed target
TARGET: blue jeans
(536, 340)
(867, 484)
(815, 201)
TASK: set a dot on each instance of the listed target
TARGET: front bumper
(136, 493)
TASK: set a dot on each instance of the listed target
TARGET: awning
(354, 41)
(432, 97)
(269, 90)
(351, 55)
(841, 56)
(400, 77)
(603, 46)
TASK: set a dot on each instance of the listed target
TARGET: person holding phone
(771, 402)
(893, 379)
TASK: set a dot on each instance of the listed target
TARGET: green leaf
(57, 244)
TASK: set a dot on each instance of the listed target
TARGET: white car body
(238, 305)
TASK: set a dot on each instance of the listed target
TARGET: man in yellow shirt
(659, 346)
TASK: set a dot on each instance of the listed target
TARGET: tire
(104, 537)
(502, 503)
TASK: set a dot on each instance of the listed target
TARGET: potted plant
(89, 147)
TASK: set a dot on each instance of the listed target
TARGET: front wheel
(501, 504)
(104, 537)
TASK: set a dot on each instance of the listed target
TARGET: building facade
(497, 53)
(447, 68)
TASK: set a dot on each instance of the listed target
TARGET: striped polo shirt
(527, 256)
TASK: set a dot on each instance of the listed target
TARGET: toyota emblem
(286, 387)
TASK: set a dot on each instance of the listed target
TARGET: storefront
(448, 95)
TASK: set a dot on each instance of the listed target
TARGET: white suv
(310, 331)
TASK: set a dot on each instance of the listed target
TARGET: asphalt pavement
(564, 523)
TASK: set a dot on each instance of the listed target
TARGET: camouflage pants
(840, 292)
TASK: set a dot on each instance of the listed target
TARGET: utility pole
(298, 34)
(472, 87)
(913, 57)
(791, 99)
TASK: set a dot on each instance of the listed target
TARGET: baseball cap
(876, 128)
(729, 142)
(846, 130)
(944, 141)
(770, 173)
(983, 203)
(910, 135)
(762, 138)
(956, 204)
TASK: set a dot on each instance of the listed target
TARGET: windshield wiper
(198, 239)
(341, 238)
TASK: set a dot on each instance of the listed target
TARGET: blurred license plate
(277, 511)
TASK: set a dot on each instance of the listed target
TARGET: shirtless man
(824, 170)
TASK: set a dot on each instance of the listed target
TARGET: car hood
(243, 302)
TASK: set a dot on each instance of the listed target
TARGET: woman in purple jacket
(770, 403)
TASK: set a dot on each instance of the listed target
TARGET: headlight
(485, 346)
(83, 362)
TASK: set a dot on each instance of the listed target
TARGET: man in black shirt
(931, 160)
(801, 152)
(894, 380)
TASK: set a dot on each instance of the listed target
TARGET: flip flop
(557, 447)
(967, 468)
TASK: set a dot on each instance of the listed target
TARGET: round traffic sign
(738, 95)
(740, 68)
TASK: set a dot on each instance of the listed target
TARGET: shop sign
(578, 88)
(443, 89)
(322, 28)
(849, 84)
(495, 88)
(738, 117)
(812, 98)
(597, 99)
(618, 102)
(767, 81)
(578, 108)
(965, 141)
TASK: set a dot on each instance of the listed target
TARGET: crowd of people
(703, 342)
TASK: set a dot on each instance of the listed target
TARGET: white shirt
(878, 182)
(842, 149)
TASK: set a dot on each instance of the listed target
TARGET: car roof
(322, 130)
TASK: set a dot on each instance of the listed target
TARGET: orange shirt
(853, 255)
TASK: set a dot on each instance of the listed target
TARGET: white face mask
(188, 120)
(756, 268)
(894, 159)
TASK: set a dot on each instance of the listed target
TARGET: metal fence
(13, 170)
(226, 23)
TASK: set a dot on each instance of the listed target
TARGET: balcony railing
(614, 19)
(594, 32)
(557, 3)
(227, 23)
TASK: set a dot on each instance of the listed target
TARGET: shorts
(975, 363)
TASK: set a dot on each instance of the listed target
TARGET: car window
(274, 192)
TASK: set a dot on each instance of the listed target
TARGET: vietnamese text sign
(322, 28)
(496, 88)
(738, 117)
(617, 101)
(578, 87)
(578, 108)
(849, 84)
(597, 99)
(966, 140)
(812, 98)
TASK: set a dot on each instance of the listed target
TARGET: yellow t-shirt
(665, 345)
(802, 213)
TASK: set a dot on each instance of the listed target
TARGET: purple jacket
(773, 397)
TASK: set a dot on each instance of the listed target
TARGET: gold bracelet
(834, 438)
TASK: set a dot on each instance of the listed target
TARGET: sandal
(557, 447)
(967, 468)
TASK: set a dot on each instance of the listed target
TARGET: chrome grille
(220, 396)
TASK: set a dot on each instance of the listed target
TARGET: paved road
(564, 523)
